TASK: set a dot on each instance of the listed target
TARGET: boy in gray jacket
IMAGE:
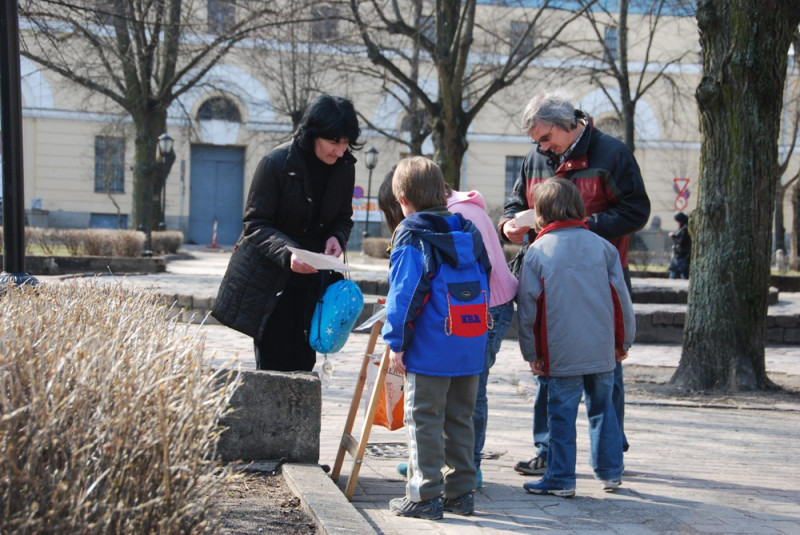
(576, 321)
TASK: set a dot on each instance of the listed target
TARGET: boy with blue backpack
(437, 319)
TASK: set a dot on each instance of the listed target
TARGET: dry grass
(109, 415)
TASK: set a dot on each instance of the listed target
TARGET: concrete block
(791, 336)
(786, 321)
(203, 303)
(333, 514)
(185, 301)
(277, 415)
(775, 336)
(662, 317)
(645, 332)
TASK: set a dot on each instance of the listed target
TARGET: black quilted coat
(279, 214)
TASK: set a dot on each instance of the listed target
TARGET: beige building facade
(73, 139)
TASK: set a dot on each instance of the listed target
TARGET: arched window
(219, 108)
(611, 126)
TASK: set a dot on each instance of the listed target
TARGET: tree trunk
(745, 45)
(794, 260)
(147, 181)
(450, 145)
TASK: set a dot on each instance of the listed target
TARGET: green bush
(110, 415)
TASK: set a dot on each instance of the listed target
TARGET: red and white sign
(681, 186)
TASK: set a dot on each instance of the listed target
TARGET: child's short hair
(557, 199)
(420, 182)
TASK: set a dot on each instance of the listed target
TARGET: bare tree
(791, 121)
(460, 51)
(607, 56)
(300, 55)
(142, 56)
(412, 129)
(745, 46)
(784, 185)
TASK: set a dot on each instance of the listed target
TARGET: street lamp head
(165, 143)
(371, 158)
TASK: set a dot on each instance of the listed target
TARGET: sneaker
(535, 467)
(463, 505)
(432, 509)
(540, 487)
(610, 485)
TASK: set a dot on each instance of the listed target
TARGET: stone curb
(322, 500)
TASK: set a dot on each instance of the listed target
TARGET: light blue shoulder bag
(334, 316)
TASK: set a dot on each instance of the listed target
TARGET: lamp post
(371, 160)
(166, 158)
(13, 198)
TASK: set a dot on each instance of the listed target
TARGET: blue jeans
(563, 399)
(541, 432)
(501, 316)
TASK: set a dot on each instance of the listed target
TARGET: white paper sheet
(526, 218)
(319, 260)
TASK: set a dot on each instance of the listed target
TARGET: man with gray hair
(567, 145)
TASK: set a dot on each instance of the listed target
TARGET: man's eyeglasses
(544, 139)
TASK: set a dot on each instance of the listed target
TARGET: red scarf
(566, 223)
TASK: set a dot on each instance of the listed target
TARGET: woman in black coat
(301, 196)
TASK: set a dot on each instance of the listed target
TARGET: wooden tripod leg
(372, 408)
(348, 442)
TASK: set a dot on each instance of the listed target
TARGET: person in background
(567, 144)
(576, 322)
(681, 248)
(300, 196)
(388, 203)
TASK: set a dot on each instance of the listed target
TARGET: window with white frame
(325, 26)
(104, 11)
(513, 167)
(221, 15)
(109, 164)
(611, 42)
(517, 33)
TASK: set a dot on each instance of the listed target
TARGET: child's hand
(537, 367)
(396, 361)
(621, 355)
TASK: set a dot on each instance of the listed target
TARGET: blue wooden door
(216, 190)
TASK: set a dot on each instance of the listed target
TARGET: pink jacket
(470, 204)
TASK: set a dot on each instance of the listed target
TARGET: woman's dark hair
(388, 203)
(329, 117)
(681, 218)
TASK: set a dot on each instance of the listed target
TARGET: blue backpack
(334, 316)
(454, 322)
